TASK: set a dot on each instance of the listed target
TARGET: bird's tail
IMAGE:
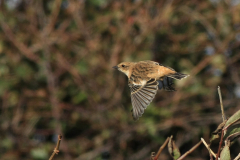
(178, 75)
(166, 84)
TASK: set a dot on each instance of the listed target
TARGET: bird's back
(141, 70)
(151, 69)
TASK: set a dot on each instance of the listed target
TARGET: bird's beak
(115, 67)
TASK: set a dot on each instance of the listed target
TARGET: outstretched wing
(142, 96)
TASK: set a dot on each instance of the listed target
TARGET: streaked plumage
(144, 79)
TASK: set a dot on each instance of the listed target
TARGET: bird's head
(124, 67)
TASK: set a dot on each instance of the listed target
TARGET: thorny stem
(161, 148)
(56, 150)
(191, 150)
(220, 97)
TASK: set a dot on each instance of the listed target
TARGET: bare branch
(209, 149)
(220, 144)
(18, 44)
(220, 97)
(238, 157)
(56, 149)
(161, 148)
(190, 151)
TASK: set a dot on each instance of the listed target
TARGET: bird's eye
(123, 65)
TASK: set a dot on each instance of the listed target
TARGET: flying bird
(144, 79)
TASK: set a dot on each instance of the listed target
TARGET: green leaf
(225, 154)
(233, 119)
(214, 137)
(219, 128)
(232, 132)
(217, 132)
(173, 149)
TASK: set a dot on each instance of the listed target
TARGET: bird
(144, 79)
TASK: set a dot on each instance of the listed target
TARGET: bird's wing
(142, 96)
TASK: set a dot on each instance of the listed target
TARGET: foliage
(56, 61)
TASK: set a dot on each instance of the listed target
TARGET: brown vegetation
(56, 76)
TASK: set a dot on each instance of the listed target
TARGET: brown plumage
(144, 79)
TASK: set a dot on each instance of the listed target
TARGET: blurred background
(56, 76)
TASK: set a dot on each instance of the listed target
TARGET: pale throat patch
(127, 73)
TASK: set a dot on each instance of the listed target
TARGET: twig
(220, 97)
(56, 149)
(53, 17)
(209, 149)
(211, 157)
(220, 144)
(238, 157)
(161, 148)
(18, 44)
(191, 150)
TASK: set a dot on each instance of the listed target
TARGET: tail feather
(166, 84)
(178, 75)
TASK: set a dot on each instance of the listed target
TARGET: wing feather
(140, 99)
(142, 96)
(145, 99)
(135, 103)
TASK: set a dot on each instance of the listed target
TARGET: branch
(220, 144)
(56, 150)
(209, 149)
(18, 44)
(220, 97)
(161, 148)
(190, 151)
(238, 157)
